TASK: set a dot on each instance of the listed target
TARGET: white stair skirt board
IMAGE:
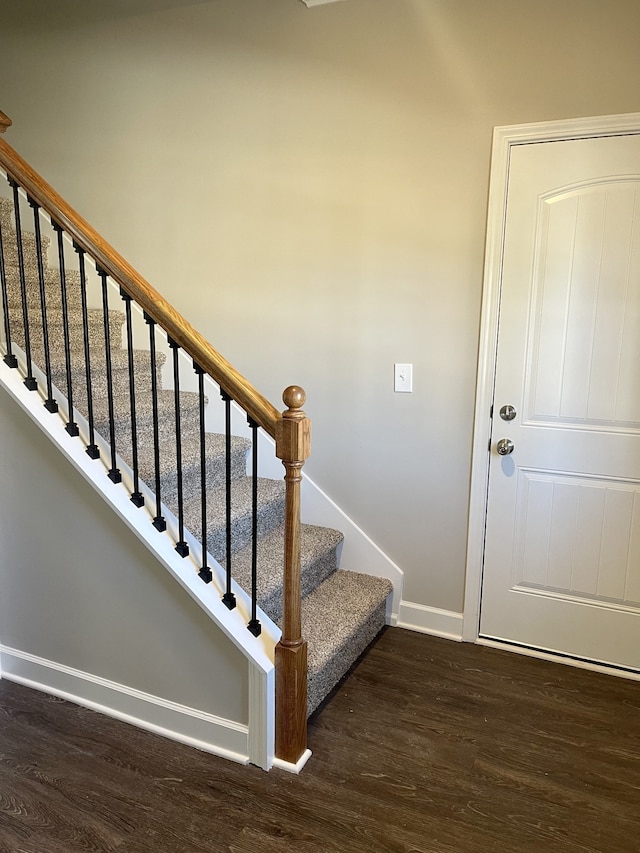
(430, 620)
(258, 651)
(203, 731)
(358, 552)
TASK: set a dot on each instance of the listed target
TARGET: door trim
(504, 138)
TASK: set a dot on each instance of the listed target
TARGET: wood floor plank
(429, 746)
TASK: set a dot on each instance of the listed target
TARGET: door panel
(562, 555)
(574, 537)
(586, 326)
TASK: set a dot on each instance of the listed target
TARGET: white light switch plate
(403, 378)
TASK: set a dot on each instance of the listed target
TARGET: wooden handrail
(147, 297)
(291, 431)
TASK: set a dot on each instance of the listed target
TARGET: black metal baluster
(205, 572)
(254, 624)
(9, 358)
(181, 546)
(114, 474)
(29, 380)
(136, 496)
(92, 448)
(228, 598)
(50, 404)
(72, 426)
(159, 521)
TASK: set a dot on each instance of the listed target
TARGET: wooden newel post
(5, 122)
(293, 445)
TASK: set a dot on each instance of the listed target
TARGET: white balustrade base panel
(206, 732)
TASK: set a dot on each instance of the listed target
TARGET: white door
(562, 549)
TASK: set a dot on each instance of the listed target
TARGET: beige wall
(309, 187)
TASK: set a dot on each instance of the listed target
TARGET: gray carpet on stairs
(342, 611)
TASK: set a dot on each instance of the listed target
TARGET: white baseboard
(198, 729)
(430, 620)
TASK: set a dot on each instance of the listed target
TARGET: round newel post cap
(294, 397)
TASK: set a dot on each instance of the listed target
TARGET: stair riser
(119, 375)
(312, 575)
(29, 254)
(321, 682)
(52, 290)
(144, 417)
(55, 326)
(6, 215)
(191, 475)
(270, 514)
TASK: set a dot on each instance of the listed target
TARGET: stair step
(340, 618)
(189, 409)
(6, 215)
(53, 295)
(29, 257)
(119, 371)
(271, 495)
(56, 330)
(317, 556)
(191, 465)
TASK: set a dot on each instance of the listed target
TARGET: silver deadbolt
(507, 413)
(505, 446)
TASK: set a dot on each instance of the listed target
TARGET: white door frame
(503, 140)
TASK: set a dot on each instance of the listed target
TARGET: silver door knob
(505, 446)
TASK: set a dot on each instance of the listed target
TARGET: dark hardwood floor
(428, 746)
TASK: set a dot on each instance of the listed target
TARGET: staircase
(341, 611)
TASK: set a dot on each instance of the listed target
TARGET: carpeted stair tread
(119, 361)
(6, 214)
(215, 470)
(54, 318)
(119, 371)
(271, 495)
(55, 326)
(52, 290)
(119, 375)
(189, 408)
(317, 556)
(29, 256)
(340, 618)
